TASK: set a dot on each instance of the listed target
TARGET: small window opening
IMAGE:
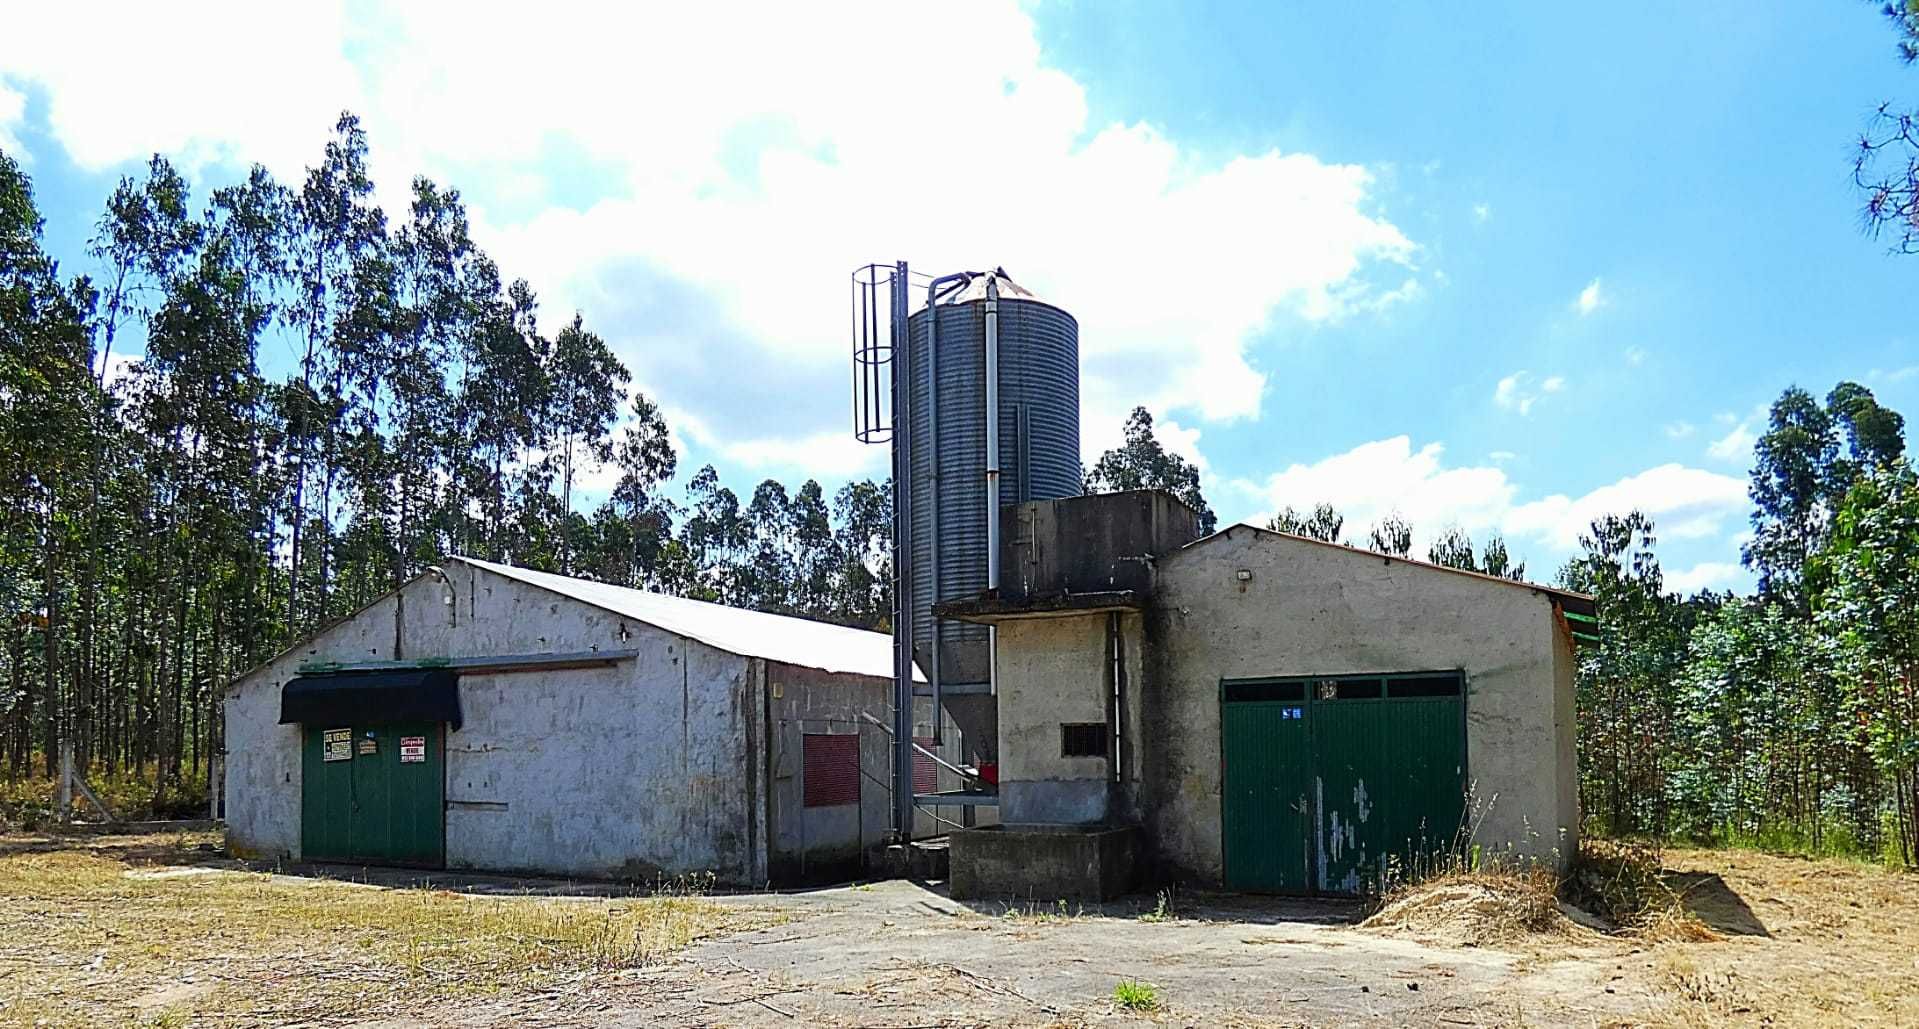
(1424, 686)
(1252, 692)
(1082, 739)
(1348, 689)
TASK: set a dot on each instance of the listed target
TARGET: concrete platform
(1043, 862)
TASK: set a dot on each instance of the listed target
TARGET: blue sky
(1506, 270)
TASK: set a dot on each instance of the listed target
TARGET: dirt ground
(163, 931)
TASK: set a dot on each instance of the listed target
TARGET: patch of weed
(1134, 995)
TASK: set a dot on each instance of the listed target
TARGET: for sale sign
(336, 745)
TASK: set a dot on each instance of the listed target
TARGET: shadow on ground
(1716, 904)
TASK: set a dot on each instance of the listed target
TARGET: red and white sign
(413, 750)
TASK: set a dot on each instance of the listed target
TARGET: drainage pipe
(992, 472)
(933, 449)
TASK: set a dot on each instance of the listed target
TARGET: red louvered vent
(925, 772)
(830, 768)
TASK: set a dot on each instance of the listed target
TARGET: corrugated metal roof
(784, 638)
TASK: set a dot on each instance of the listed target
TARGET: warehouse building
(1260, 711)
(490, 717)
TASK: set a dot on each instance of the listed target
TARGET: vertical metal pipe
(992, 432)
(902, 564)
(933, 475)
(992, 473)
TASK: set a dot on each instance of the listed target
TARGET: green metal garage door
(374, 793)
(1329, 782)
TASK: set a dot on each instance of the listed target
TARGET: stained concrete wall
(1052, 671)
(637, 769)
(1314, 609)
(824, 844)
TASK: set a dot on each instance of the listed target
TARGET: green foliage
(168, 522)
(1142, 462)
(1785, 720)
(1134, 995)
(1886, 163)
(1392, 535)
(1323, 523)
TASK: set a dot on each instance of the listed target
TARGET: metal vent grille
(830, 768)
(1082, 739)
(925, 772)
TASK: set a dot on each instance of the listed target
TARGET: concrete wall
(1054, 670)
(823, 844)
(1313, 609)
(634, 770)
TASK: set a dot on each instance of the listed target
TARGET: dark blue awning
(350, 698)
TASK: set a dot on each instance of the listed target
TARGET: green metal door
(1266, 782)
(374, 793)
(1384, 762)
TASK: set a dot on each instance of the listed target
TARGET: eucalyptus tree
(1323, 522)
(1791, 485)
(863, 546)
(1625, 681)
(198, 387)
(645, 458)
(1391, 535)
(49, 399)
(334, 226)
(715, 536)
(1869, 610)
(1141, 461)
(584, 385)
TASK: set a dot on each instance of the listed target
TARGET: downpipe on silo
(992, 473)
(903, 808)
(933, 516)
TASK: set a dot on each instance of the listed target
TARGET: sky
(1506, 271)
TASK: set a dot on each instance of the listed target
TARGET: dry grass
(1800, 943)
(90, 936)
(1627, 886)
(1474, 908)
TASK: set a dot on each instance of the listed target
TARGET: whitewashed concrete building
(490, 717)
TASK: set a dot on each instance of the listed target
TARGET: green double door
(374, 793)
(1330, 782)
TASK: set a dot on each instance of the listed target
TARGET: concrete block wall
(638, 769)
(827, 843)
(1052, 671)
(1313, 609)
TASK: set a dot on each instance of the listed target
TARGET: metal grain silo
(1034, 390)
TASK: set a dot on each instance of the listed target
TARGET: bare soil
(161, 930)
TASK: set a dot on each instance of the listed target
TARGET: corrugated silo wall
(1039, 460)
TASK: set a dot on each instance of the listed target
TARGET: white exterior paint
(1248, 603)
(1311, 608)
(658, 764)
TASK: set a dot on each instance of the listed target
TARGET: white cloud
(13, 110)
(1501, 456)
(1680, 430)
(1482, 213)
(823, 455)
(754, 169)
(1735, 445)
(1590, 298)
(1635, 356)
(1706, 575)
(1375, 479)
(1516, 392)
(149, 77)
